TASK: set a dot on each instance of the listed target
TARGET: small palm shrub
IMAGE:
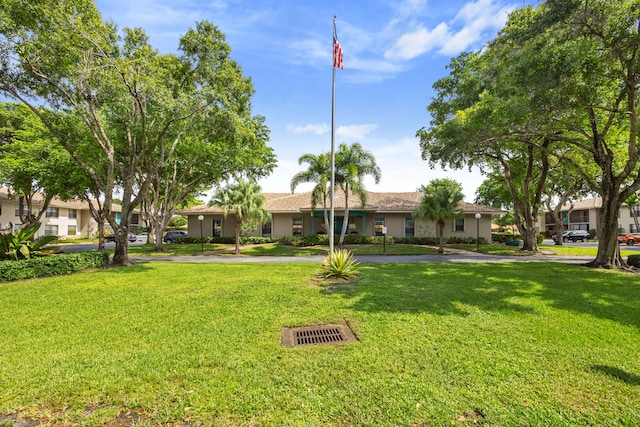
(18, 245)
(340, 265)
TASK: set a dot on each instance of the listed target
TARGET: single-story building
(292, 215)
(585, 215)
(65, 219)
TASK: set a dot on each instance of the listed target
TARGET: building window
(266, 229)
(135, 218)
(409, 227)
(25, 211)
(297, 226)
(50, 230)
(217, 227)
(459, 224)
(378, 226)
(51, 212)
(73, 214)
(71, 230)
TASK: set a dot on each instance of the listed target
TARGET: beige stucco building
(585, 215)
(291, 215)
(64, 219)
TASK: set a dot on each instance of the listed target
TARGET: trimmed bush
(51, 265)
(634, 260)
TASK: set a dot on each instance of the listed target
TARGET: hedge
(634, 260)
(53, 265)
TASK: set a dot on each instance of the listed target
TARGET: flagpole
(333, 152)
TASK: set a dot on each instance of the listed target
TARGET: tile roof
(38, 199)
(377, 202)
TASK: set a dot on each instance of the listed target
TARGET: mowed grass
(439, 344)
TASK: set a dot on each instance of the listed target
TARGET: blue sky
(393, 53)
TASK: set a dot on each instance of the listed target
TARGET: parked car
(112, 238)
(173, 236)
(627, 238)
(574, 236)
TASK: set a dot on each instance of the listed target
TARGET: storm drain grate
(322, 334)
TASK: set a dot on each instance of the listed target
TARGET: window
(378, 226)
(73, 214)
(25, 211)
(217, 227)
(71, 230)
(51, 212)
(459, 224)
(50, 230)
(297, 226)
(266, 229)
(409, 227)
(135, 218)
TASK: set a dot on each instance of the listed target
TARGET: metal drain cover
(321, 334)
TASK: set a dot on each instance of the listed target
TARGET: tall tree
(318, 172)
(566, 73)
(352, 165)
(137, 105)
(440, 202)
(244, 201)
(32, 164)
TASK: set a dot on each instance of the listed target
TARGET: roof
(38, 199)
(389, 202)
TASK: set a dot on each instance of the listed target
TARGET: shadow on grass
(619, 374)
(454, 288)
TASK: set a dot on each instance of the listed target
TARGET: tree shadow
(453, 288)
(619, 374)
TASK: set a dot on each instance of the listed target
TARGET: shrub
(340, 265)
(503, 237)
(19, 245)
(634, 260)
(51, 266)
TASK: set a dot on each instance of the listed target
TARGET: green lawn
(440, 344)
(277, 249)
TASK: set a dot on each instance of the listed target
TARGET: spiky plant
(340, 265)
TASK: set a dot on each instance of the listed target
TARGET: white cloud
(417, 42)
(468, 28)
(355, 131)
(316, 129)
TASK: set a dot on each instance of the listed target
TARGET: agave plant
(20, 245)
(340, 265)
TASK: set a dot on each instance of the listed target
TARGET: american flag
(337, 50)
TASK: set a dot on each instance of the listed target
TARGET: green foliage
(54, 265)
(19, 245)
(634, 260)
(244, 201)
(178, 221)
(340, 265)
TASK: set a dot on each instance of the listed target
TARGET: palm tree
(244, 200)
(353, 164)
(319, 172)
(631, 204)
(439, 204)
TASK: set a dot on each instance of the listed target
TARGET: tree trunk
(608, 255)
(441, 236)
(238, 226)
(121, 254)
(345, 221)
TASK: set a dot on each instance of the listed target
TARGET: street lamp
(478, 216)
(200, 218)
